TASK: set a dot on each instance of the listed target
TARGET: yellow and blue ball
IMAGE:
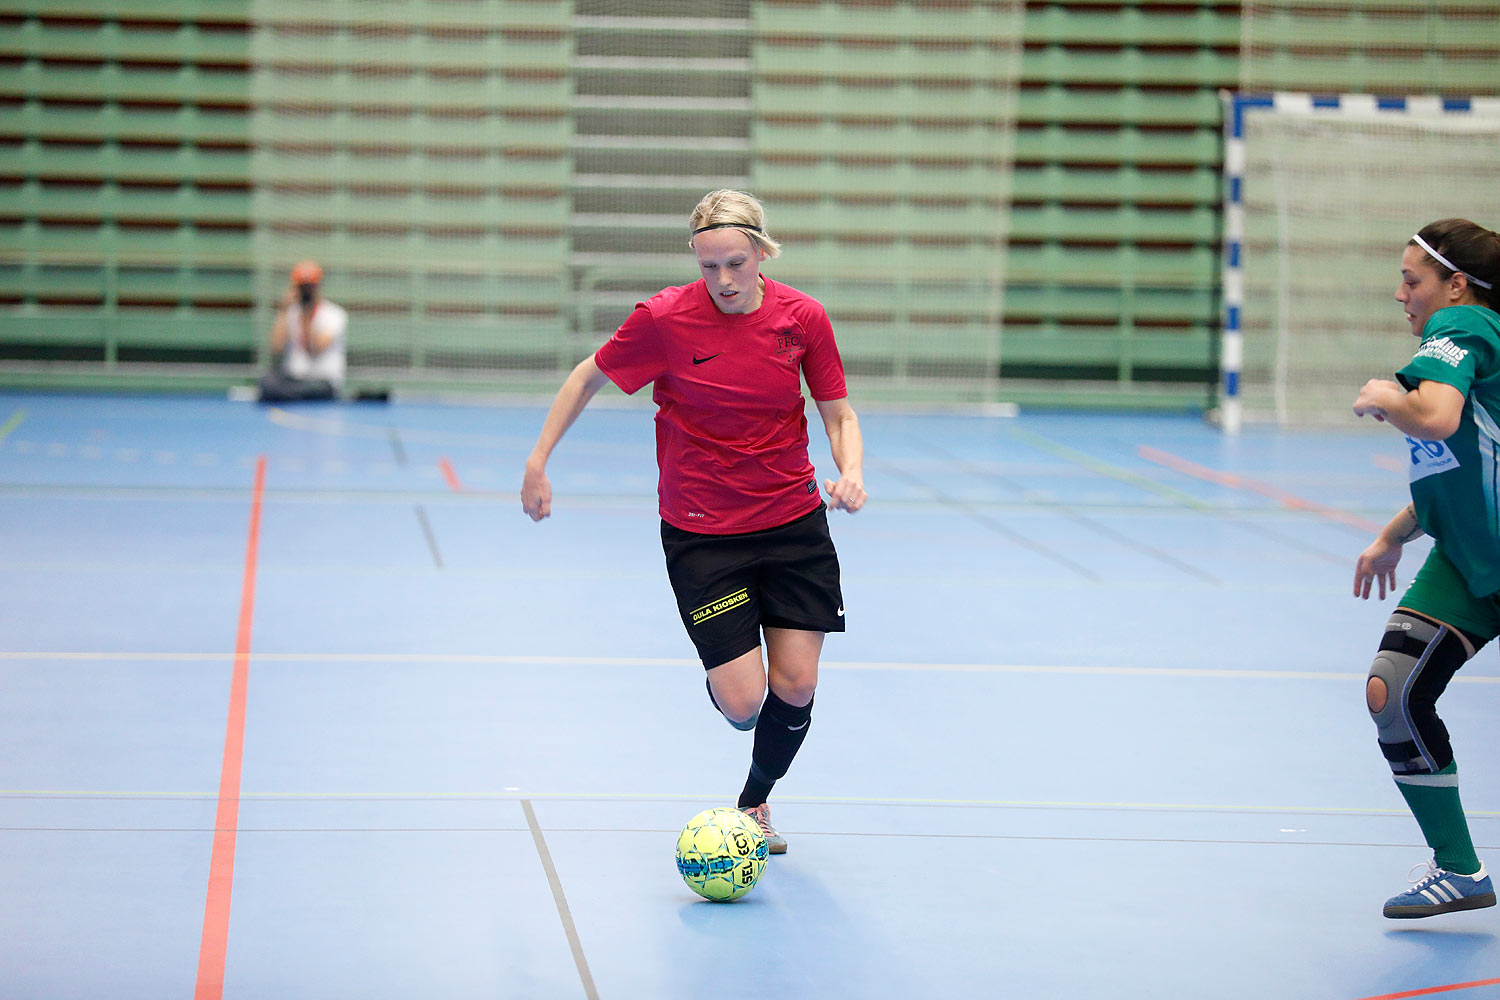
(721, 854)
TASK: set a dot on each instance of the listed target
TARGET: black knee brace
(1417, 658)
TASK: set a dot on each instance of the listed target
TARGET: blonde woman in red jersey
(744, 527)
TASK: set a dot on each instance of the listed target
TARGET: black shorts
(728, 586)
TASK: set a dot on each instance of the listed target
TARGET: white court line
(1039, 805)
(55, 656)
(340, 427)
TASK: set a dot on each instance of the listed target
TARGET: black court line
(394, 437)
(1266, 532)
(432, 545)
(1072, 514)
(1109, 470)
(985, 519)
(562, 903)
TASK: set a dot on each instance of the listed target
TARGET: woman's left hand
(1377, 565)
(846, 494)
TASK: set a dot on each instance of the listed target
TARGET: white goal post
(1321, 193)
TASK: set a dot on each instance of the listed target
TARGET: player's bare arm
(581, 385)
(847, 444)
(1431, 411)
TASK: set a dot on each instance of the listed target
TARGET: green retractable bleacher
(125, 186)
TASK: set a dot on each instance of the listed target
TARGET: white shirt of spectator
(328, 319)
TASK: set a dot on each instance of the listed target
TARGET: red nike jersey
(731, 429)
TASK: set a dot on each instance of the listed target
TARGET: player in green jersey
(1446, 401)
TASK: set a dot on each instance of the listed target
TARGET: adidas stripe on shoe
(1439, 891)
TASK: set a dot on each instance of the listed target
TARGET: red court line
(1430, 990)
(453, 481)
(215, 944)
(1288, 500)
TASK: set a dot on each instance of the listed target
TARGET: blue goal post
(1353, 149)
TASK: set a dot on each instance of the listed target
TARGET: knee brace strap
(1415, 661)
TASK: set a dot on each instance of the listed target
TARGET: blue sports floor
(297, 703)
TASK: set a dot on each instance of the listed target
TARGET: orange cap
(307, 272)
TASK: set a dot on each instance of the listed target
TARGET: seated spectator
(307, 342)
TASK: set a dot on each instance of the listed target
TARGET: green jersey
(1454, 483)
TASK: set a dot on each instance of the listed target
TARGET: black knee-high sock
(778, 737)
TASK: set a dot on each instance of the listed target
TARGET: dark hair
(1472, 249)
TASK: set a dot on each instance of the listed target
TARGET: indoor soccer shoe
(1439, 891)
(776, 843)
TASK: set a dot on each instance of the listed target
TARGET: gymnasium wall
(997, 201)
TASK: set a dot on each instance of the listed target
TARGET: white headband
(1450, 265)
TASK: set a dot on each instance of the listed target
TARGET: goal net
(1322, 194)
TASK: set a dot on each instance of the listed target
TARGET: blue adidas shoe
(1439, 891)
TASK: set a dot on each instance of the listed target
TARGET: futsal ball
(721, 853)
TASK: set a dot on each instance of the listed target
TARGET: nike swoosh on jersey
(698, 361)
